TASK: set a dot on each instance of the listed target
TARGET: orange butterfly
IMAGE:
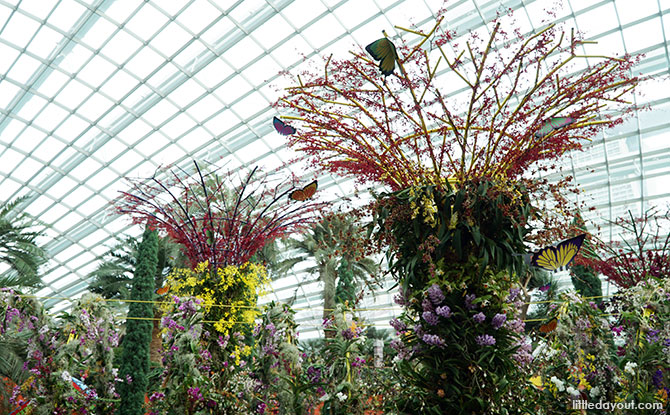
(550, 326)
(305, 193)
(162, 290)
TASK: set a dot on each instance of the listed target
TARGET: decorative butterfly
(553, 124)
(71, 337)
(163, 290)
(545, 288)
(559, 257)
(20, 409)
(549, 326)
(305, 193)
(80, 386)
(281, 127)
(383, 50)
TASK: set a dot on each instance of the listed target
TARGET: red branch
(214, 219)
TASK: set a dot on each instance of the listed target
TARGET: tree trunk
(156, 345)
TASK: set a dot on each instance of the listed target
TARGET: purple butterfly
(281, 127)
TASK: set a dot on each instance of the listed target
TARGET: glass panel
(629, 11)
(24, 68)
(29, 139)
(19, 30)
(72, 127)
(205, 107)
(120, 47)
(316, 36)
(160, 112)
(26, 170)
(643, 35)
(232, 90)
(53, 83)
(273, 31)
(44, 42)
(7, 93)
(146, 22)
(50, 117)
(212, 74)
(186, 93)
(9, 55)
(120, 10)
(96, 71)
(66, 15)
(33, 106)
(198, 15)
(46, 151)
(242, 53)
(178, 126)
(145, 62)
(170, 39)
(119, 85)
(598, 20)
(73, 94)
(99, 33)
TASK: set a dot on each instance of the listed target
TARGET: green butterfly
(383, 50)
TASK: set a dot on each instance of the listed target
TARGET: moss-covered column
(135, 358)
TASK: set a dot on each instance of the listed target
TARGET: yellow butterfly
(556, 258)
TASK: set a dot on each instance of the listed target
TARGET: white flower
(595, 391)
(324, 397)
(559, 383)
(630, 368)
(341, 396)
(66, 376)
(572, 391)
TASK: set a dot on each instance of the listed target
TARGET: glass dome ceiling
(92, 91)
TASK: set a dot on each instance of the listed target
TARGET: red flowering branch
(214, 219)
(643, 253)
(403, 130)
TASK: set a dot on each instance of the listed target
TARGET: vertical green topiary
(135, 358)
(584, 278)
(586, 282)
(346, 286)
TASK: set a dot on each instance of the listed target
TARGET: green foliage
(337, 237)
(428, 226)
(444, 362)
(278, 366)
(135, 360)
(18, 248)
(346, 390)
(455, 253)
(586, 282)
(346, 287)
(113, 276)
(622, 360)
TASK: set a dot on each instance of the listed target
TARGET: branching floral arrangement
(403, 130)
(212, 217)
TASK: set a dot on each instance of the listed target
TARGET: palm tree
(18, 248)
(337, 241)
(12, 356)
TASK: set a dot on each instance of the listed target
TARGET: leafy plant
(134, 368)
(212, 218)
(18, 247)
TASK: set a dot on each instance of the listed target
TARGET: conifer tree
(134, 368)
